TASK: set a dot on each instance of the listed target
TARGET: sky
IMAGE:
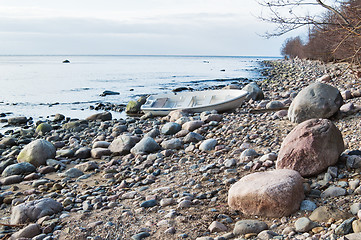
(135, 27)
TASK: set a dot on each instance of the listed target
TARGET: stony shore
(179, 189)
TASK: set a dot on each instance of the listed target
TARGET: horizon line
(141, 55)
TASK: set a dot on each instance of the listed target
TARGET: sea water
(41, 86)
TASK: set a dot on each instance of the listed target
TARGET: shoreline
(186, 187)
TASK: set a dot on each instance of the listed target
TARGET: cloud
(166, 27)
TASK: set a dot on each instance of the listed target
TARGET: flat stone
(249, 226)
(217, 227)
(333, 192)
(345, 227)
(33, 210)
(29, 231)
(304, 224)
(11, 180)
(98, 153)
(18, 169)
(208, 145)
(149, 203)
(324, 213)
(140, 236)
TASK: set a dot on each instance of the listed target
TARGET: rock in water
(272, 194)
(31, 211)
(37, 152)
(17, 120)
(311, 147)
(318, 100)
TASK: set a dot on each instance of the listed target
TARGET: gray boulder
(32, 211)
(171, 128)
(122, 144)
(174, 143)
(82, 153)
(146, 145)
(254, 91)
(311, 147)
(18, 169)
(37, 152)
(318, 100)
(193, 137)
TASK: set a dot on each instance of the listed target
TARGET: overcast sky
(181, 27)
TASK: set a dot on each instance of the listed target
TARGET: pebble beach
(170, 177)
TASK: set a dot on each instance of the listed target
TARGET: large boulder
(146, 145)
(271, 194)
(311, 147)
(32, 211)
(122, 144)
(254, 91)
(37, 152)
(317, 100)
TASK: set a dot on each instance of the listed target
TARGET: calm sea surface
(40, 86)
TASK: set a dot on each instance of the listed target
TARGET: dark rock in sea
(66, 61)
(107, 92)
(181, 89)
(17, 120)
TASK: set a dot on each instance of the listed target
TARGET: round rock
(272, 194)
(37, 152)
(318, 100)
(311, 147)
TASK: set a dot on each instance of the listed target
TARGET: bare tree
(289, 15)
(333, 35)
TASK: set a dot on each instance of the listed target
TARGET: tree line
(332, 36)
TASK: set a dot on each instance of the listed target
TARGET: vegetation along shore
(285, 165)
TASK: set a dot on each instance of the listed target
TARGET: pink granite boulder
(275, 193)
(311, 147)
